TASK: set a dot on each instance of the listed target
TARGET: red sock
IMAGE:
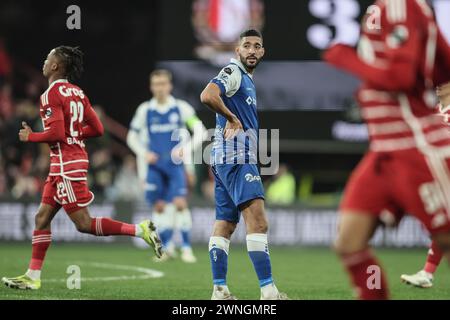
(39, 243)
(361, 266)
(108, 227)
(433, 259)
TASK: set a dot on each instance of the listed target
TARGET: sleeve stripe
(426, 10)
(403, 10)
(44, 97)
(396, 11)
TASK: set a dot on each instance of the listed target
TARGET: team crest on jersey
(48, 112)
(173, 118)
(228, 70)
(397, 37)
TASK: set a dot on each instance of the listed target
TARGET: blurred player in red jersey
(68, 119)
(424, 278)
(401, 57)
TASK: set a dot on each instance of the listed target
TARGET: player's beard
(247, 65)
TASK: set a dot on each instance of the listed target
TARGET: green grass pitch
(303, 273)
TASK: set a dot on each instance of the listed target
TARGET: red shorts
(402, 182)
(69, 194)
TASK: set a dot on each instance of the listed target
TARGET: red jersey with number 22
(65, 104)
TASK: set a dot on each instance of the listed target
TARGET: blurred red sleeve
(53, 133)
(403, 52)
(54, 129)
(94, 127)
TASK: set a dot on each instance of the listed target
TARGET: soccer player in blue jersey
(238, 186)
(159, 155)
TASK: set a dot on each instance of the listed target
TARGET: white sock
(166, 219)
(428, 274)
(34, 274)
(138, 232)
(171, 248)
(223, 288)
(219, 242)
(186, 249)
(269, 291)
(183, 219)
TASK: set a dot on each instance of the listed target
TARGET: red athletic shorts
(402, 182)
(69, 194)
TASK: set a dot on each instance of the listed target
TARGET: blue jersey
(238, 93)
(156, 125)
(160, 127)
(154, 128)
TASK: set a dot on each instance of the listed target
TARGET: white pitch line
(148, 273)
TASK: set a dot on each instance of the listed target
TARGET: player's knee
(159, 207)
(258, 226)
(263, 226)
(180, 204)
(224, 229)
(346, 245)
(231, 228)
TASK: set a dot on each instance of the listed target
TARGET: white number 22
(77, 112)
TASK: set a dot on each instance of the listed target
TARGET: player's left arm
(402, 41)
(93, 126)
(193, 123)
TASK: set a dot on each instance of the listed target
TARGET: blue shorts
(235, 185)
(165, 183)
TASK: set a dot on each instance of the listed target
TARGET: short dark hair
(161, 72)
(72, 59)
(250, 33)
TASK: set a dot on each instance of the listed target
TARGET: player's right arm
(402, 36)
(53, 121)
(224, 84)
(134, 141)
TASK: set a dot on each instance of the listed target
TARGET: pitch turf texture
(303, 273)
